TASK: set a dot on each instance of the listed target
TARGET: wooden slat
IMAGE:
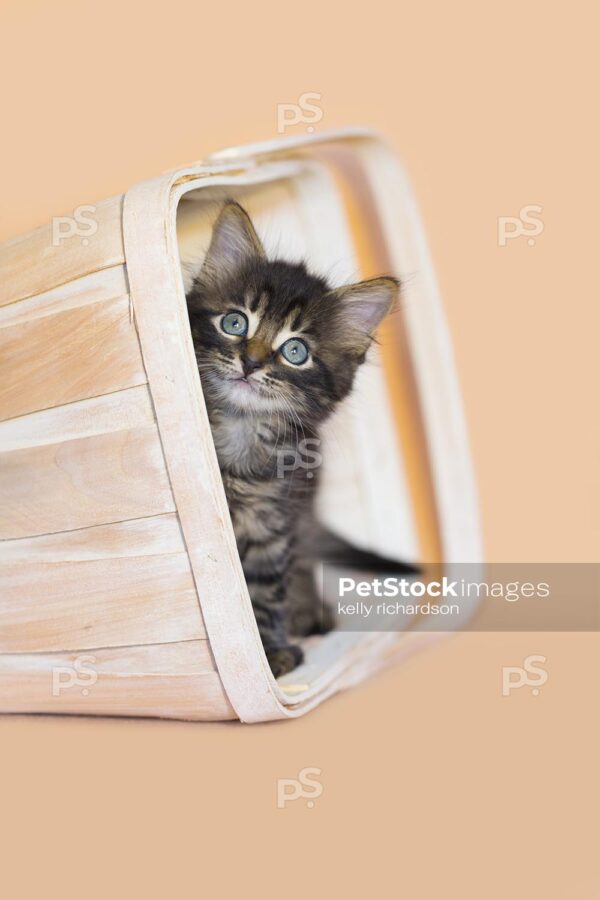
(120, 411)
(192, 657)
(154, 273)
(177, 679)
(104, 285)
(140, 537)
(89, 481)
(194, 697)
(68, 356)
(98, 603)
(31, 263)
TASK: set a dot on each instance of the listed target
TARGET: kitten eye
(235, 323)
(295, 351)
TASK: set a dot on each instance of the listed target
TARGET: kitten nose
(250, 364)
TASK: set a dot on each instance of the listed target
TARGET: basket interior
(302, 211)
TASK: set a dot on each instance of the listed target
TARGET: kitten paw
(283, 659)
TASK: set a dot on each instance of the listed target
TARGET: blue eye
(295, 351)
(235, 323)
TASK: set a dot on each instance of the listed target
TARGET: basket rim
(160, 310)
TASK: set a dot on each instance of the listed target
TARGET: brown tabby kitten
(277, 350)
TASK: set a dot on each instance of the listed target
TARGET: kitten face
(268, 335)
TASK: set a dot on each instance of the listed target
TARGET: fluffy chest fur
(265, 482)
(252, 446)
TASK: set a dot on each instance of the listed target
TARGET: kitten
(277, 350)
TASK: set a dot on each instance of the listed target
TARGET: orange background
(434, 785)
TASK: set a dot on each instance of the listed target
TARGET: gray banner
(467, 596)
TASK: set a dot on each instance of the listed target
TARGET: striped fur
(266, 411)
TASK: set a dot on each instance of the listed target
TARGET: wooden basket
(121, 590)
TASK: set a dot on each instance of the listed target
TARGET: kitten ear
(234, 241)
(365, 304)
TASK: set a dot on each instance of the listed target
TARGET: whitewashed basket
(121, 590)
